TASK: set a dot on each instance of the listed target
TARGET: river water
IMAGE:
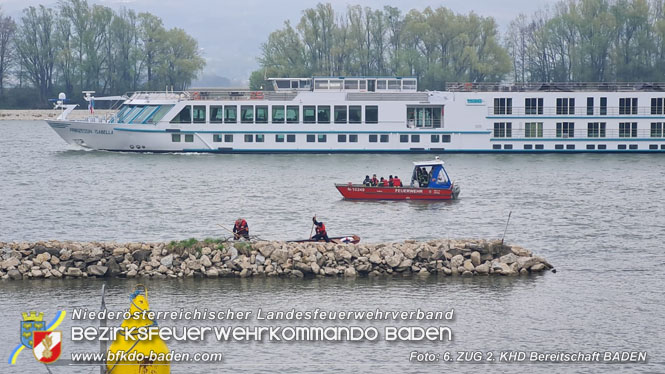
(599, 218)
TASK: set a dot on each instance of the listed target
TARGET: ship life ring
(346, 239)
(196, 96)
(256, 95)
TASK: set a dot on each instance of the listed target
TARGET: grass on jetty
(195, 245)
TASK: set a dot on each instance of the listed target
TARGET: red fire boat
(429, 181)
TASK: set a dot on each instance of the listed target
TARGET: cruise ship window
(353, 138)
(371, 114)
(355, 114)
(310, 138)
(503, 129)
(322, 138)
(503, 105)
(656, 129)
(434, 138)
(596, 130)
(657, 105)
(384, 138)
(363, 84)
(403, 138)
(341, 138)
(409, 84)
(603, 107)
(589, 106)
(189, 138)
(415, 138)
(278, 114)
(261, 114)
(216, 114)
(199, 114)
(381, 84)
(628, 129)
(217, 138)
(292, 114)
(291, 138)
(185, 115)
(445, 138)
(309, 114)
(230, 114)
(628, 105)
(533, 105)
(323, 114)
(279, 138)
(259, 138)
(247, 114)
(350, 84)
(533, 130)
(565, 130)
(565, 106)
(249, 138)
(228, 138)
(175, 138)
(373, 138)
(340, 114)
(394, 84)
(157, 115)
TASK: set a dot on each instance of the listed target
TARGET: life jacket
(241, 227)
(397, 182)
(321, 230)
(375, 182)
(385, 183)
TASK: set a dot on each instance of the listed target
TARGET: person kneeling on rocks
(321, 233)
(240, 229)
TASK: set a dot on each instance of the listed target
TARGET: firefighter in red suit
(240, 229)
(321, 233)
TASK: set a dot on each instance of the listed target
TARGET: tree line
(573, 40)
(76, 46)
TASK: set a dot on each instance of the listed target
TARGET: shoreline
(215, 258)
(44, 114)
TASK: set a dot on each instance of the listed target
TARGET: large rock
(350, 272)
(42, 257)
(280, 255)
(509, 258)
(483, 268)
(167, 261)
(395, 260)
(468, 265)
(9, 263)
(73, 272)
(526, 262)
(205, 261)
(537, 267)
(375, 257)
(141, 255)
(456, 261)
(97, 270)
(475, 258)
(212, 273)
(15, 274)
(519, 251)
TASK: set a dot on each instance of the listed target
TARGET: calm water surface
(599, 219)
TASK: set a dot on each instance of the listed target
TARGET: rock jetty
(213, 258)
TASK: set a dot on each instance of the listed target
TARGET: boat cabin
(430, 174)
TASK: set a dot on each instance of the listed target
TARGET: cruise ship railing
(576, 111)
(555, 86)
(577, 133)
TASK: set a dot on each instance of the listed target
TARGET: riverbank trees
(567, 40)
(77, 46)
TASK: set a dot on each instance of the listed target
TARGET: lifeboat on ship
(432, 183)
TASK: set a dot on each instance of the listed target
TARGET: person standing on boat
(397, 182)
(375, 182)
(367, 182)
(241, 229)
(321, 233)
(391, 181)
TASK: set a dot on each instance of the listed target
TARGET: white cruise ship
(382, 114)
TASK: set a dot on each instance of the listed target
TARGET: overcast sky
(230, 32)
